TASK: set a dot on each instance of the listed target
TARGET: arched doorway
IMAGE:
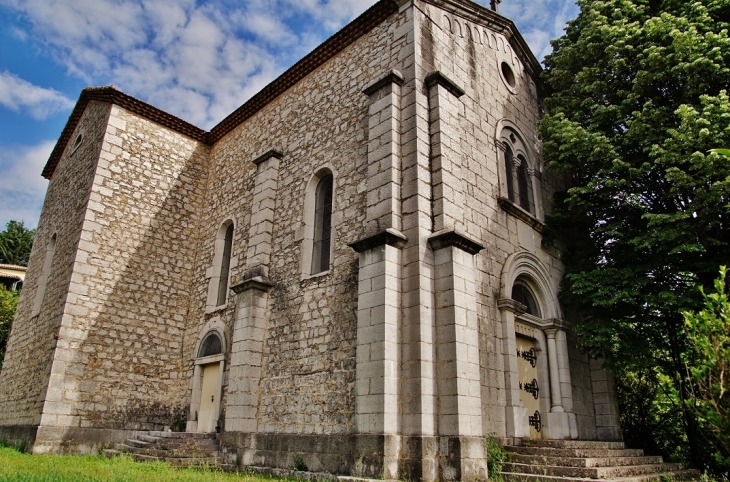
(537, 372)
(207, 384)
(530, 363)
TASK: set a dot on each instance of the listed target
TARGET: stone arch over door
(543, 326)
(207, 382)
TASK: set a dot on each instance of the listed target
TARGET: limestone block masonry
(172, 283)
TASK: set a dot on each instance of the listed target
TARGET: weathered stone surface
(392, 362)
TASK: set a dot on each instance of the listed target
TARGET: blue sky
(196, 59)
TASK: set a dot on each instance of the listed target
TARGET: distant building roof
(11, 271)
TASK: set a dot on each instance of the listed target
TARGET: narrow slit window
(509, 168)
(322, 225)
(525, 187)
(45, 275)
(225, 266)
(77, 143)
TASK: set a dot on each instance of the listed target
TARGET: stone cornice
(557, 323)
(507, 304)
(516, 211)
(392, 77)
(390, 236)
(438, 78)
(260, 283)
(274, 152)
(447, 238)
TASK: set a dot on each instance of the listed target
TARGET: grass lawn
(16, 467)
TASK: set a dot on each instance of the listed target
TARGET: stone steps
(587, 453)
(171, 453)
(179, 449)
(179, 461)
(574, 444)
(677, 476)
(589, 472)
(291, 474)
(586, 461)
(580, 460)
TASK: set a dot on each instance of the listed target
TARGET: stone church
(349, 268)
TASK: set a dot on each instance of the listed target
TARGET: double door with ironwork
(527, 361)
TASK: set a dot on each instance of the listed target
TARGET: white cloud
(197, 61)
(21, 96)
(22, 189)
(20, 34)
(333, 14)
(539, 21)
(200, 60)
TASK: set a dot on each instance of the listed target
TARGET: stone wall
(399, 350)
(118, 362)
(308, 364)
(470, 55)
(33, 340)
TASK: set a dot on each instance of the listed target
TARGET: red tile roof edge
(111, 95)
(363, 24)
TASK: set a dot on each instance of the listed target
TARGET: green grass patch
(20, 467)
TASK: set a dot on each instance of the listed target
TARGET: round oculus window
(508, 75)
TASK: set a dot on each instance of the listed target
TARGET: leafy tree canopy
(8, 303)
(638, 100)
(15, 243)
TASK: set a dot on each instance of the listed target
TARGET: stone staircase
(179, 449)
(583, 461)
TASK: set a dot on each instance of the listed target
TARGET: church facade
(348, 269)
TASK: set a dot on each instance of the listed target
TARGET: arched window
(322, 225)
(225, 266)
(522, 294)
(45, 274)
(518, 173)
(211, 345)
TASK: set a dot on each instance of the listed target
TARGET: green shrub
(496, 455)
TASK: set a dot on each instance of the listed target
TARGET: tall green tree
(638, 100)
(15, 243)
(8, 304)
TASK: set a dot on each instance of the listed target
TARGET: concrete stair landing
(179, 449)
(579, 460)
